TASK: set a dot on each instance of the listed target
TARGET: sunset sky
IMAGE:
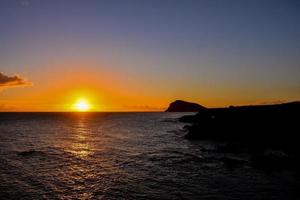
(140, 55)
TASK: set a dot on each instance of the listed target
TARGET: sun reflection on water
(81, 136)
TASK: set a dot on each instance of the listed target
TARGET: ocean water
(121, 156)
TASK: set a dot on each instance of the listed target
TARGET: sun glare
(82, 105)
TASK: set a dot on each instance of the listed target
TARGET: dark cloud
(12, 81)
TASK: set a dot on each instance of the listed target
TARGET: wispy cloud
(12, 81)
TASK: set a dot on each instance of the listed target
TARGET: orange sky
(58, 90)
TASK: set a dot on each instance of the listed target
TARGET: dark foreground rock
(274, 160)
(251, 129)
(183, 106)
(28, 153)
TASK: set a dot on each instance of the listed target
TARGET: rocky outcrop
(252, 130)
(262, 123)
(274, 160)
(183, 106)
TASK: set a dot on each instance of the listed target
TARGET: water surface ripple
(120, 156)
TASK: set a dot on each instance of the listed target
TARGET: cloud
(12, 81)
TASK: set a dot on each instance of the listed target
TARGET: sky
(140, 55)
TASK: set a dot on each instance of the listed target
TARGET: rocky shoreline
(268, 133)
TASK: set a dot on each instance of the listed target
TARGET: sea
(122, 156)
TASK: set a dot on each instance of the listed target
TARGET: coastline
(268, 133)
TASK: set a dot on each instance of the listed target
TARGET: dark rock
(232, 163)
(231, 148)
(183, 106)
(27, 153)
(258, 127)
(251, 130)
(273, 160)
(188, 118)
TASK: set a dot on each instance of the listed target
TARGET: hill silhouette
(184, 106)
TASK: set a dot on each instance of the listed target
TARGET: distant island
(184, 106)
(269, 133)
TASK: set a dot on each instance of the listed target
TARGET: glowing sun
(82, 105)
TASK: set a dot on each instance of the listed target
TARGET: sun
(82, 105)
